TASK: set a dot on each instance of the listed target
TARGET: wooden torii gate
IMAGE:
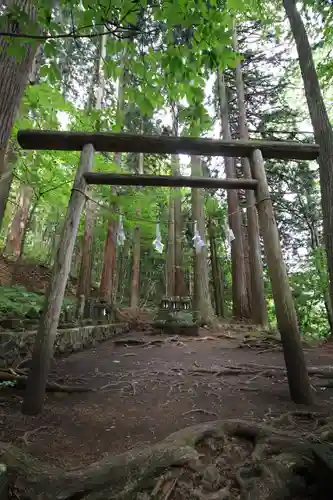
(88, 143)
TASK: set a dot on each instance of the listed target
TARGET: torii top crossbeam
(109, 142)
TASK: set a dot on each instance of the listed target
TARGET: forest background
(139, 68)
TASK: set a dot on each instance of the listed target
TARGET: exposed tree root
(138, 342)
(20, 378)
(128, 342)
(262, 371)
(260, 341)
(221, 459)
(199, 410)
(28, 434)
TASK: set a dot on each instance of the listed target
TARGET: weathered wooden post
(43, 348)
(299, 385)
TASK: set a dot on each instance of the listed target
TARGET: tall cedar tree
(321, 126)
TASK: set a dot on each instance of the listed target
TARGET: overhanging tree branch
(65, 35)
(74, 33)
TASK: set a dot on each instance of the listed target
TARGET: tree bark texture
(6, 179)
(47, 330)
(299, 385)
(216, 273)
(103, 178)
(120, 289)
(14, 74)
(110, 247)
(109, 262)
(27, 226)
(17, 228)
(85, 273)
(239, 286)
(170, 256)
(322, 128)
(247, 264)
(205, 313)
(135, 284)
(180, 288)
(95, 101)
(163, 144)
(15, 70)
(257, 292)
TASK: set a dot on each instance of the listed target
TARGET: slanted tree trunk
(46, 334)
(239, 285)
(14, 74)
(257, 292)
(18, 224)
(321, 126)
(135, 284)
(95, 101)
(216, 273)
(205, 312)
(110, 247)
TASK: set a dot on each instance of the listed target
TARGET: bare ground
(144, 393)
(205, 418)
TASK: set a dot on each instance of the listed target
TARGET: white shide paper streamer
(157, 243)
(121, 233)
(197, 240)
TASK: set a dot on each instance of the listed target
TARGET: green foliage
(16, 302)
(172, 50)
(308, 291)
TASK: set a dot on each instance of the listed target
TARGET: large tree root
(325, 372)
(221, 459)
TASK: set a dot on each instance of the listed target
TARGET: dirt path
(146, 393)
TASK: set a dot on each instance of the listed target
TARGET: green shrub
(17, 302)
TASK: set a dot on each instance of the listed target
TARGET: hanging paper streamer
(121, 233)
(230, 233)
(197, 240)
(158, 245)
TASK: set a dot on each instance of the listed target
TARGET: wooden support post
(299, 385)
(43, 348)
